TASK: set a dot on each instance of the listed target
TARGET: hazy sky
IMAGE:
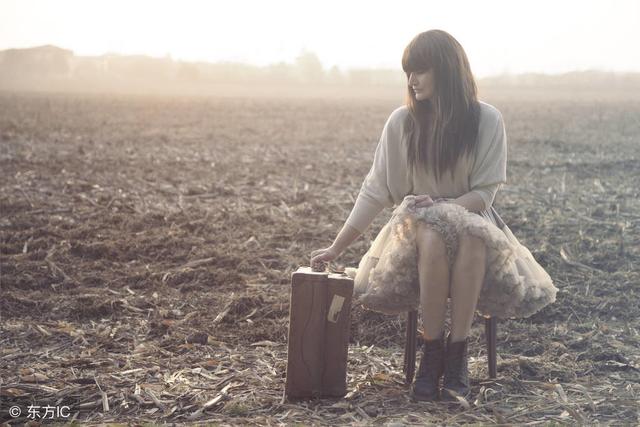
(498, 35)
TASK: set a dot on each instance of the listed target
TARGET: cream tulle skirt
(515, 285)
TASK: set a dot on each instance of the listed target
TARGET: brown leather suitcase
(319, 320)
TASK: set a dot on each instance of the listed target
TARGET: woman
(444, 146)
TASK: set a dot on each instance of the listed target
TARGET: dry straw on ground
(147, 245)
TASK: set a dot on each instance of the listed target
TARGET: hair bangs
(416, 58)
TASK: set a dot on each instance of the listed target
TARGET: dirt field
(147, 246)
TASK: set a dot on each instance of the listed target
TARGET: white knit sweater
(389, 180)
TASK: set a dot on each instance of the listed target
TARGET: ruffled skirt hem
(515, 285)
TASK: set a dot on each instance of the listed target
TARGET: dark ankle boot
(456, 372)
(427, 381)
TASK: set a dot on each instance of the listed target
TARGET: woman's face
(422, 84)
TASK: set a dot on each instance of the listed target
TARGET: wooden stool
(490, 326)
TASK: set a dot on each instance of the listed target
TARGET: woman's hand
(423, 201)
(320, 257)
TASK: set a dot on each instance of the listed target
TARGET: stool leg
(410, 346)
(491, 325)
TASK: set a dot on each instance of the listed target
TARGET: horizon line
(324, 67)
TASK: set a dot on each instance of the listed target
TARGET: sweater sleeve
(374, 193)
(489, 171)
(487, 193)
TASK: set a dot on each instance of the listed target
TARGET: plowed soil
(175, 223)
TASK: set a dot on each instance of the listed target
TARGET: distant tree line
(52, 68)
(52, 64)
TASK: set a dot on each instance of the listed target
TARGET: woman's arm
(374, 194)
(489, 171)
(471, 200)
(344, 238)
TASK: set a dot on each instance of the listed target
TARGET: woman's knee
(471, 246)
(430, 242)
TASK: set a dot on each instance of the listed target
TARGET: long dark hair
(448, 121)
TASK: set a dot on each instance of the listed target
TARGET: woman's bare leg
(467, 276)
(433, 272)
